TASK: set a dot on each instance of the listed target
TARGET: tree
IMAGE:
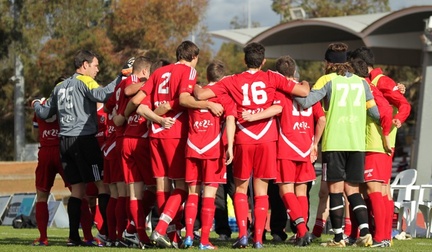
(329, 8)
(47, 35)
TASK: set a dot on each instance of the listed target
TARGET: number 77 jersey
(254, 91)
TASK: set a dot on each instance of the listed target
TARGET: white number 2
(163, 88)
(259, 95)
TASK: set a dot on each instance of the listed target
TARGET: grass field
(19, 239)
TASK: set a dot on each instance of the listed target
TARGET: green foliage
(46, 35)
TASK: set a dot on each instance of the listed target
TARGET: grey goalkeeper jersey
(74, 100)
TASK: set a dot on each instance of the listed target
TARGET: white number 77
(345, 87)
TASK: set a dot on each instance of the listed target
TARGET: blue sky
(221, 12)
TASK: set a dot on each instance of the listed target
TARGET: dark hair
(254, 54)
(215, 71)
(365, 54)
(286, 66)
(140, 63)
(59, 79)
(360, 67)
(336, 52)
(187, 50)
(83, 56)
(159, 63)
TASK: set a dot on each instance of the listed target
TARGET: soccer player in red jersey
(135, 155)
(205, 159)
(171, 84)
(255, 142)
(49, 164)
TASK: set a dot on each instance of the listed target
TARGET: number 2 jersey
(165, 85)
(254, 92)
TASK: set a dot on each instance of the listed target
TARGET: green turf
(20, 239)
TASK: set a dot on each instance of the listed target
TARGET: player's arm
(144, 111)
(230, 131)
(165, 107)
(319, 129)
(267, 113)
(302, 89)
(133, 88)
(372, 108)
(48, 109)
(134, 102)
(188, 101)
(203, 93)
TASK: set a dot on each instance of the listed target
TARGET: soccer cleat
(349, 241)
(38, 242)
(223, 237)
(72, 243)
(333, 244)
(132, 238)
(314, 238)
(101, 238)
(364, 241)
(197, 235)
(188, 242)
(302, 241)
(92, 243)
(144, 245)
(207, 246)
(241, 242)
(376, 244)
(159, 240)
(257, 245)
(176, 239)
(121, 244)
(109, 244)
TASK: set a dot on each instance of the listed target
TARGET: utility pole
(18, 78)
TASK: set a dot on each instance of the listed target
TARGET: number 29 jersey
(253, 91)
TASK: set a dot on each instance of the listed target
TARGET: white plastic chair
(425, 207)
(405, 206)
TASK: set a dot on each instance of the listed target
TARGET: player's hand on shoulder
(216, 108)
(39, 100)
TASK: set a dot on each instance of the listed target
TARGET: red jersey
(384, 108)
(136, 124)
(254, 92)
(102, 125)
(119, 100)
(165, 85)
(206, 130)
(389, 89)
(296, 128)
(48, 130)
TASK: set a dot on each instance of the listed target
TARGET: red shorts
(378, 167)
(136, 161)
(205, 170)
(290, 171)
(49, 164)
(113, 171)
(168, 157)
(258, 160)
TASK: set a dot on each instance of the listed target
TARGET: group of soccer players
(166, 141)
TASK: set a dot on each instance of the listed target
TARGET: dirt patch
(19, 177)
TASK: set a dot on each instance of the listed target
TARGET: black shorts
(81, 159)
(343, 166)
